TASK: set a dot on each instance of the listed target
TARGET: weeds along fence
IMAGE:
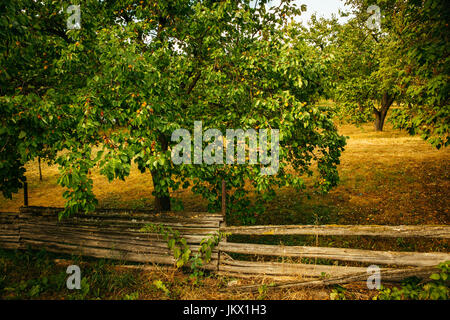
(116, 234)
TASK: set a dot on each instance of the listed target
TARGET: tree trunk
(380, 115)
(162, 204)
(40, 170)
(162, 199)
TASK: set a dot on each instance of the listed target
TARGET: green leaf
(171, 243)
(435, 276)
(180, 263)
(176, 253)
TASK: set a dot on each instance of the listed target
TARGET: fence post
(223, 223)
(224, 198)
(40, 170)
(25, 194)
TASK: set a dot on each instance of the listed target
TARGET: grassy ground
(386, 178)
(41, 275)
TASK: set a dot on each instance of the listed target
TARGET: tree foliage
(363, 71)
(422, 37)
(404, 61)
(114, 90)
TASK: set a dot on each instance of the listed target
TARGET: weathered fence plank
(388, 275)
(103, 233)
(358, 255)
(113, 234)
(424, 231)
(99, 242)
(9, 230)
(123, 214)
(135, 229)
(239, 267)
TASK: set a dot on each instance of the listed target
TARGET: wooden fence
(112, 234)
(116, 234)
(422, 261)
(9, 230)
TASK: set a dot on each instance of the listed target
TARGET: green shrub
(414, 289)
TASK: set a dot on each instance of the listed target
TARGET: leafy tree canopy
(112, 92)
(404, 60)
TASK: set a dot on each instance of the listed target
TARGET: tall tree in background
(404, 60)
(363, 71)
(417, 55)
(422, 38)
